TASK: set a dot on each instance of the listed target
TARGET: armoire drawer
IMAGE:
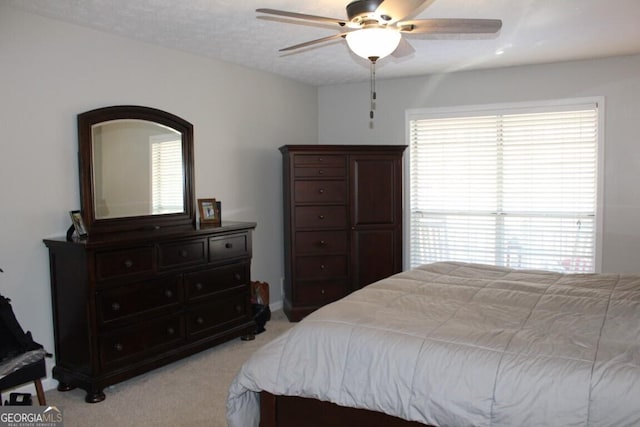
(320, 172)
(318, 242)
(125, 345)
(218, 314)
(187, 252)
(320, 160)
(231, 246)
(321, 267)
(320, 191)
(320, 292)
(321, 217)
(125, 262)
(120, 302)
(205, 283)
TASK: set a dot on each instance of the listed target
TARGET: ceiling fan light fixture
(373, 42)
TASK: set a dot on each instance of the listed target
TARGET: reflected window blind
(166, 179)
(509, 189)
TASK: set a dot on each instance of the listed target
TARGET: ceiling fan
(374, 28)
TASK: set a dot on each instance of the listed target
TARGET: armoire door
(376, 216)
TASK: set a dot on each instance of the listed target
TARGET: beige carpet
(190, 392)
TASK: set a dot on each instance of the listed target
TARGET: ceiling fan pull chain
(371, 89)
(372, 84)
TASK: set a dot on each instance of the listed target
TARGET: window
(513, 186)
(166, 175)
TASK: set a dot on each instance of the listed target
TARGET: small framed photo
(78, 224)
(209, 211)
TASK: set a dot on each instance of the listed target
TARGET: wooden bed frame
(293, 411)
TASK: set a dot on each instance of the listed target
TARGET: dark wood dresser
(130, 302)
(342, 221)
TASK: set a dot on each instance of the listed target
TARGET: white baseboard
(275, 306)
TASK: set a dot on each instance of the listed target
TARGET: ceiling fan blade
(404, 49)
(450, 26)
(312, 42)
(283, 20)
(398, 9)
(304, 16)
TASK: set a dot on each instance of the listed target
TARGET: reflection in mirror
(138, 169)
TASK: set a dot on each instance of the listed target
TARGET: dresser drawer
(321, 216)
(320, 191)
(231, 246)
(320, 160)
(184, 253)
(121, 302)
(320, 292)
(124, 262)
(320, 172)
(128, 344)
(319, 267)
(321, 241)
(218, 314)
(208, 282)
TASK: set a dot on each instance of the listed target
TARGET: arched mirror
(136, 169)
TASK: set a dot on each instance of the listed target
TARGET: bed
(455, 344)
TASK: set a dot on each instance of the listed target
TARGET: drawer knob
(322, 243)
(320, 216)
(320, 159)
(128, 263)
(170, 331)
(321, 191)
(239, 309)
(322, 267)
(198, 286)
(321, 172)
(115, 306)
(322, 291)
(199, 320)
(237, 276)
(228, 245)
(118, 347)
(168, 293)
(183, 253)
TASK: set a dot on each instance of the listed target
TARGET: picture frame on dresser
(78, 224)
(209, 212)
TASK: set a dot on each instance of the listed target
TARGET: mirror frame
(86, 121)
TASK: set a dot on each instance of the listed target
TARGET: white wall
(51, 71)
(343, 118)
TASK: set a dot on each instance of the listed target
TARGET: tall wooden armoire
(342, 221)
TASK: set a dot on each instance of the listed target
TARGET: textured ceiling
(534, 31)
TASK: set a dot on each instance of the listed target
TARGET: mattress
(455, 344)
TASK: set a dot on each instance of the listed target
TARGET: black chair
(24, 368)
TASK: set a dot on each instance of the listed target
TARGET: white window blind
(516, 189)
(166, 179)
